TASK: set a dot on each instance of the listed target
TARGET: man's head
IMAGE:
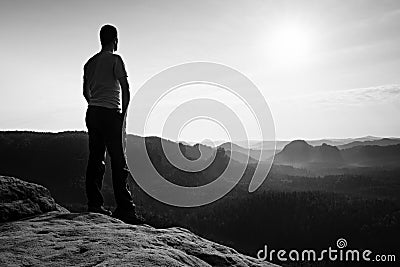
(108, 36)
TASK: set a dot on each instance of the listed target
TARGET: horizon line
(219, 140)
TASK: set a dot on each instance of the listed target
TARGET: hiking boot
(100, 210)
(128, 216)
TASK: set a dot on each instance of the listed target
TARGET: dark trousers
(105, 128)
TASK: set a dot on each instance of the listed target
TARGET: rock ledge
(56, 237)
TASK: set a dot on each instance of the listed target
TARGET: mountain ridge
(303, 155)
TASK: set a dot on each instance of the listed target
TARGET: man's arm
(126, 95)
(86, 92)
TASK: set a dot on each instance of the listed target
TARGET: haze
(326, 68)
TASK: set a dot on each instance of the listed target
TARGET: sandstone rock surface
(55, 237)
(20, 199)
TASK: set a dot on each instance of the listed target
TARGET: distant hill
(280, 144)
(373, 155)
(378, 142)
(243, 155)
(300, 154)
(340, 141)
(268, 145)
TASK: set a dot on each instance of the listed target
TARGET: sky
(327, 69)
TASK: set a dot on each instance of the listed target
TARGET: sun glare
(290, 45)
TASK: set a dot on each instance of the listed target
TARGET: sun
(290, 45)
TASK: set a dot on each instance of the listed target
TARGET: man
(104, 82)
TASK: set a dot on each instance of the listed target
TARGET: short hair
(107, 34)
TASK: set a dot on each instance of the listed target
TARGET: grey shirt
(101, 74)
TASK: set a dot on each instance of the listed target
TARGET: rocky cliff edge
(36, 231)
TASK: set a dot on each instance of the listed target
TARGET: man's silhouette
(104, 84)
